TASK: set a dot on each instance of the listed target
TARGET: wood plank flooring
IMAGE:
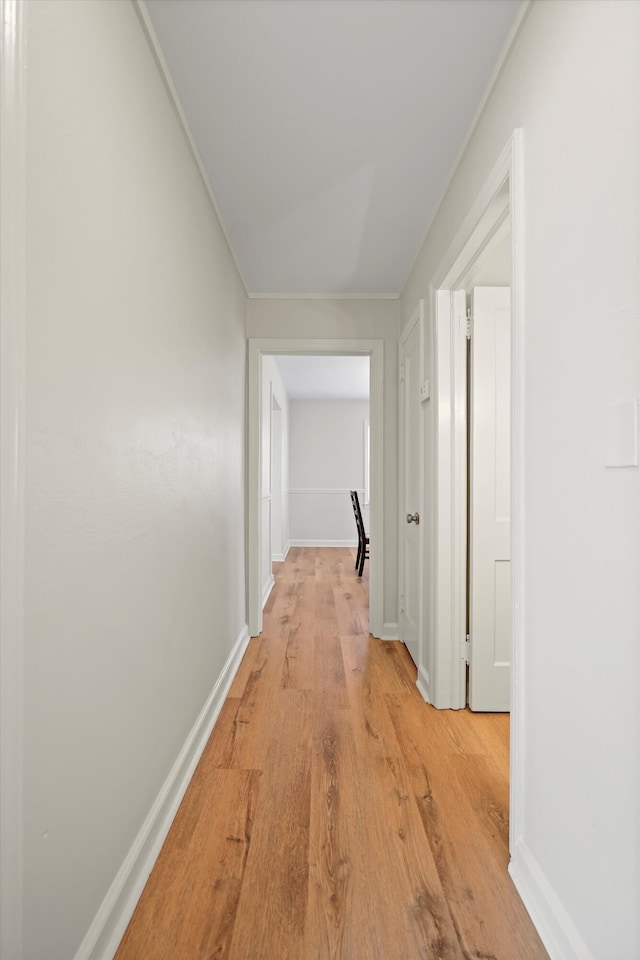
(334, 815)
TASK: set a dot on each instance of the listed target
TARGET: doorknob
(415, 518)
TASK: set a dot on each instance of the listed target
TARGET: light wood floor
(333, 813)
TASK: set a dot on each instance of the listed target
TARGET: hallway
(333, 813)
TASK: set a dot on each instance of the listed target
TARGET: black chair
(363, 539)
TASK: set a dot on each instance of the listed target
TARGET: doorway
(495, 218)
(481, 308)
(487, 661)
(327, 402)
(318, 442)
(259, 468)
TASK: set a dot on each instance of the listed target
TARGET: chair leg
(357, 563)
(361, 568)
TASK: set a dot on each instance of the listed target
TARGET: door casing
(13, 193)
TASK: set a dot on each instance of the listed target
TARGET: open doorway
(317, 443)
(476, 481)
(328, 411)
(483, 263)
(485, 298)
(319, 521)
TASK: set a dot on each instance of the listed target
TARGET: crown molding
(170, 87)
(324, 296)
(493, 79)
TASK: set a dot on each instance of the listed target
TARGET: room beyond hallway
(334, 814)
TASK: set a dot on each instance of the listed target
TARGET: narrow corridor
(334, 814)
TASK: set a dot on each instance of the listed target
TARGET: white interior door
(490, 500)
(410, 483)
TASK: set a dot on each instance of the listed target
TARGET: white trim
(324, 543)
(254, 491)
(315, 490)
(156, 49)
(417, 317)
(517, 785)
(281, 557)
(13, 51)
(324, 296)
(423, 683)
(442, 590)
(266, 593)
(465, 248)
(389, 631)
(375, 350)
(557, 931)
(450, 558)
(459, 491)
(110, 922)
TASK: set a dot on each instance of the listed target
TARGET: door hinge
(468, 318)
(402, 372)
(466, 649)
(402, 603)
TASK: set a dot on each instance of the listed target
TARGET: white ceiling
(325, 378)
(328, 128)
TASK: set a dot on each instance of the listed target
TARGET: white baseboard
(324, 543)
(281, 557)
(110, 922)
(557, 931)
(267, 590)
(423, 684)
(389, 631)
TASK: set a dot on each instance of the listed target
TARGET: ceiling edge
(493, 79)
(323, 296)
(156, 49)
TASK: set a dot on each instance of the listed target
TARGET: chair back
(355, 502)
(363, 539)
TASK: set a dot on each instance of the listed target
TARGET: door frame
(13, 54)
(374, 349)
(417, 318)
(479, 227)
(276, 489)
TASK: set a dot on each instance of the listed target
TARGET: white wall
(350, 320)
(326, 442)
(135, 567)
(272, 386)
(571, 83)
